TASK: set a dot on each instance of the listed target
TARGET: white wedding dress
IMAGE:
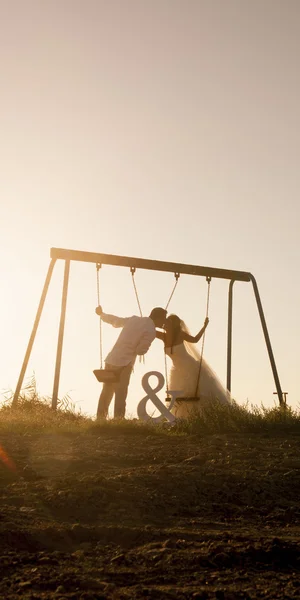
(183, 376)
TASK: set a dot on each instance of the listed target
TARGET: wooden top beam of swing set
(143, 263)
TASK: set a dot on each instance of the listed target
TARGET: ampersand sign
(151, 395)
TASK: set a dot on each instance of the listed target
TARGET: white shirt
(135, 338)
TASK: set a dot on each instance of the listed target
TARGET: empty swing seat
(184, 407)
(187, 398)
(106, 376)
(184, 399)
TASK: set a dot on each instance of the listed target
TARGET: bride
(190, 373)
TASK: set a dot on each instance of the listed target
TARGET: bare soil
(100, 515)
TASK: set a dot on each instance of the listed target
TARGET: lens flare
(7, 461)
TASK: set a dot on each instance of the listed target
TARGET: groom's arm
(111, 319)
(144, 343)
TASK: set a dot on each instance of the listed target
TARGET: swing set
(105, 375)
(109, 376)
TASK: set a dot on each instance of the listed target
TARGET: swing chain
(176, 275)
(98, 267)
(132, 271)
(166, 375)
(208, 279)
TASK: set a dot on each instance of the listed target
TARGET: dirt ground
(129, 515)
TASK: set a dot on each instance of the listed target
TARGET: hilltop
(127, 511)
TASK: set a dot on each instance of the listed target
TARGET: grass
(35, 414)
(218, 418)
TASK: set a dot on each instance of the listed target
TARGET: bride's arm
(195, 338)
(160, 335)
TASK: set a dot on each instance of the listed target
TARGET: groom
(134, 340)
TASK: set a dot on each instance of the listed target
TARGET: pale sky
(161, 129)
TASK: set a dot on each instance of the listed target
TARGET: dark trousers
(118, 389)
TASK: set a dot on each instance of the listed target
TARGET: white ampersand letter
(151, 395)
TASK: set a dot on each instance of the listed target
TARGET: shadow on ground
(119, 515)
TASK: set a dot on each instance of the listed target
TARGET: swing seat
(184, 399)
(188, 399)
(106, 376)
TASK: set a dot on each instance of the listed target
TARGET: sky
(161, 129)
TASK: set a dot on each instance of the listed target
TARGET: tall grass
(32, 411)
(35, 413)
(220, 418)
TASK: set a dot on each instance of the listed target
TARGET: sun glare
(6, 460)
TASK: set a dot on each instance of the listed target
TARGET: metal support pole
(229, 335)
(267, 340)
(60, 334)
(33, 333)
